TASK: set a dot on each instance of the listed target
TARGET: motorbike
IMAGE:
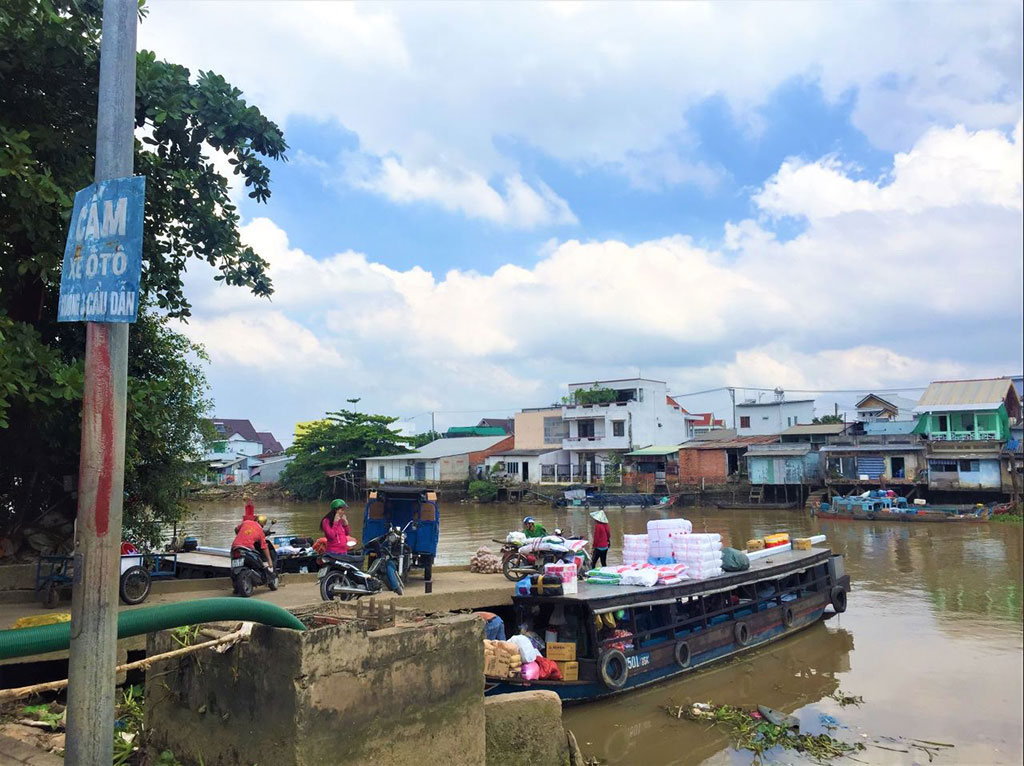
(249, 570)
(388, 560)
(517, 563)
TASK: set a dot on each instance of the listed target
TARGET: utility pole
(732, 395)
(432, 423)
(93, 651)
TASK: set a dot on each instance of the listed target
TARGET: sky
(485, 202)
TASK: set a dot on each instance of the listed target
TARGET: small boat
(758, 506)
(874, 506)
(666, 631)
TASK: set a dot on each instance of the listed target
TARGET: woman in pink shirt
(335, 527)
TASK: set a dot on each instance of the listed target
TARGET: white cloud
(895, 282)
(444, 88)
(946, 168)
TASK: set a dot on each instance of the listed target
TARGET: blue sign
(103, 254)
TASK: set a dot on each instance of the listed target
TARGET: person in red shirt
(335, 527)
(250, 535)
(602, 537)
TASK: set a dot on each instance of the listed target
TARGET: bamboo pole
(52, 686)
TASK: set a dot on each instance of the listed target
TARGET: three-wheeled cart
(55, 574)
(396, 506)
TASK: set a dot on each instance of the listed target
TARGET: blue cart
(55, 574)
(391, 506)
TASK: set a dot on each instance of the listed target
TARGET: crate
(570, 670)
(756, 544)
(561, 651)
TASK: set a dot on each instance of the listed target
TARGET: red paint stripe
(103, 402)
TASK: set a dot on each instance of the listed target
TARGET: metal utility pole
(91, 671)
(432, 423)
(732, 395)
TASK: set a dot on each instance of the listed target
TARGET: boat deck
(617, 596)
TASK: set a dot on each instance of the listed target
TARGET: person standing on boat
(602, 537)
(335, 527)
(531, 528)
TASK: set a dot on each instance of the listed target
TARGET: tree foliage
(49, 74)
(828, 420)
(336, 443)
(483, 491)
(594, 395)
(418, 440)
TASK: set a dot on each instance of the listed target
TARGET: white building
(442, 460)
(755, 418)
(642, 414)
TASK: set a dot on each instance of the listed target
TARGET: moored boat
(877, 507)
(665, 631)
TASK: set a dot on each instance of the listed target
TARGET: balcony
(964, 436)
(597, 443)
(569, 473)
(577, 411)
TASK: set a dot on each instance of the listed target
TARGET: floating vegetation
(755, 733)
(846, 699)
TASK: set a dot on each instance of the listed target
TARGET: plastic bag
(530, 671)
(527, 651)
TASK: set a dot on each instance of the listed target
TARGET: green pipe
(135, 622)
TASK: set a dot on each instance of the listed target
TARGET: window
(408, 471)
(970, 466)
(512, 467)
(899, 467)
(641, 394)
(966, 421)
(585, 429)
(555, 429)
(943, 466)
(618, 428)
(380, 472)
(943, 423)
(744, 421)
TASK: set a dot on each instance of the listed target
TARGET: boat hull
(707, 647)
(903, 517)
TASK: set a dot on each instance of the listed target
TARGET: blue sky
(485, 202)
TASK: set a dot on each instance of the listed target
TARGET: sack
(734, 560)
(548, 669)
(527, 651)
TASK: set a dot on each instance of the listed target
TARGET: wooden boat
(666, 631)
(860, 508)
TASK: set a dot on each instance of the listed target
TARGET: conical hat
(599, 515)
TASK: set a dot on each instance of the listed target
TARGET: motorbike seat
(344, 558)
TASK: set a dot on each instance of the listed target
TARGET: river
(932, 639)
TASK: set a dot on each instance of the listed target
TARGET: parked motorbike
(249, 570)
(517, 564)
(388, 559)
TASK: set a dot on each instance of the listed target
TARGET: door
(421, 471)
(526, 471)
(899, 467)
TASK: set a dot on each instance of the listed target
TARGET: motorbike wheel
(244, 585)
(393, 580)
(274, 581)
(332, 580)
(508, 568)
(134, 585)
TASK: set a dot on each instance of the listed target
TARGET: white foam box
(565, 572)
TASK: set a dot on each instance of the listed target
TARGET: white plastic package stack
(702, 554)
(634, 549)
(661, 533)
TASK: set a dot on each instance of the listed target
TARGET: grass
(1008, 518)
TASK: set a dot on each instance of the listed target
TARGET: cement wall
(525, 729)
(335, 694)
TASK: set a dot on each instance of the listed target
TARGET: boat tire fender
(871, 516)
(788, 618)
(741, 633)
(838, 598)
(614, 669)
(683, 654)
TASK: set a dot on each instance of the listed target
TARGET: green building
(968, 410)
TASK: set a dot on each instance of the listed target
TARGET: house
(612, 417)
(269, 470)
(540, 428)
(508, 425)
(239, 449)
(440, 461)
(968, 410)
(783, 464)
(754, 418)
(706, 422)
(652, 468)
(874, 464)
(717, 461)
(874, 407)
(527, 465)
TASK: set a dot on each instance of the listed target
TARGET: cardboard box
(570, 670)
(802, 544)
(495, 667)
(561, 651)
(755, 545)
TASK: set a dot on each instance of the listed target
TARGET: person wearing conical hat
(602, 537)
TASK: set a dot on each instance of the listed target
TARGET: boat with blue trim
(878, 505)
(626, 637)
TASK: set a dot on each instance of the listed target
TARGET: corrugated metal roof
(873, 448)
(784, 450)
(902, 427)
(526, 452)
(815, 429)
(654, 450)
(447, 448)
(980, 394)
(736, 443)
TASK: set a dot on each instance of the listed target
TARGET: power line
(889, 390)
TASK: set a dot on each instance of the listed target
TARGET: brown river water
(932, 639)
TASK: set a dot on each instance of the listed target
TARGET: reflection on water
(936, 612)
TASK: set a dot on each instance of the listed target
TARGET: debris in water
(759, 734)
(828, 721)
(846, 699)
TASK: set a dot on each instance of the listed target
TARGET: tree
(828, 419)
(49, 73)
(335, 443)
(594, 395)
(418, 440)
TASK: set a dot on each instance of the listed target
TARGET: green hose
(134, 622)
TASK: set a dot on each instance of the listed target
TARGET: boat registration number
(236, 564)
(638, 661)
